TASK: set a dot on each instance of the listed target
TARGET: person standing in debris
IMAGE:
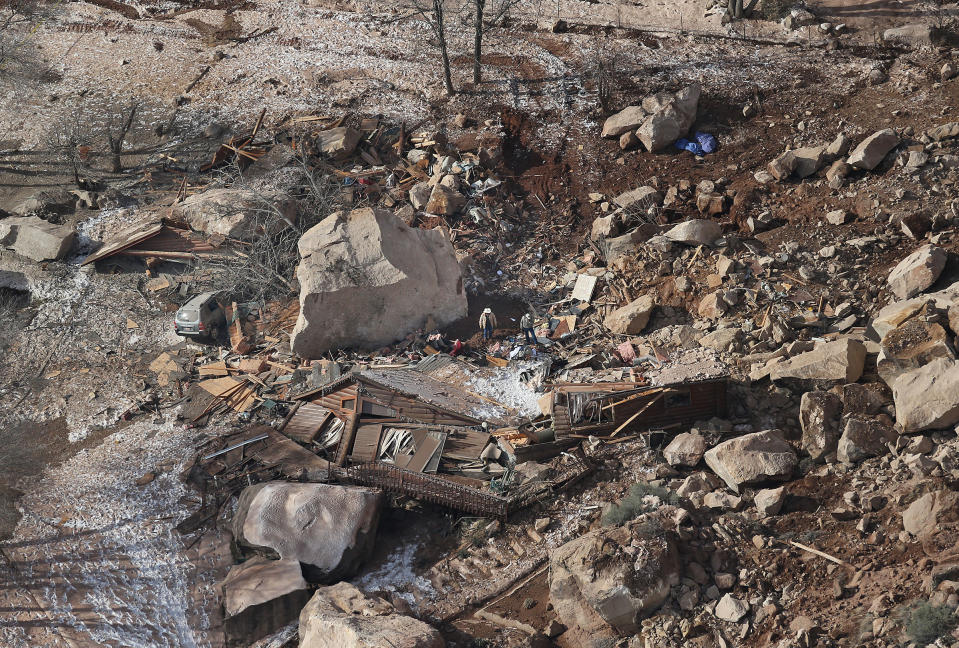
(487, 322)
(526, 324)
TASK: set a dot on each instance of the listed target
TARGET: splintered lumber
(636, 415)
(821, 554)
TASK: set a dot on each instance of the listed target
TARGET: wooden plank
(585, 285)
(423, 455)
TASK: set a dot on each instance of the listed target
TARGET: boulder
(731, 609)
(44, 203)
(603, 583)
(863, 399)
(632, 318)
(685, 449)
(367, 279)
(341, 616)
(819, 414)
(627, 119)
(642, 197)
(722, 339)
(712, 306)
(35, 238)
(330, 529)
(338, 143)
(926, 515)
(871, 151)
(752, 458)
(917, 271)
(809, 160)
(927, 398)
(445, 201)
(261, 596)
(783, 166)
(894, 314)
(695, 232)
(839, 147)
(916, 35)
(420, 195)
(624, 247)
(671, 117)
(604, 227)
(769, 501)
(912, 345)
(235, 213)
(842, 359)
(864, 437)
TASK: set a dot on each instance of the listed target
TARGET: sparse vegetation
(632, 506)
(925, 622)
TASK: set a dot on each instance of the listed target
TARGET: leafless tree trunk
(116, 140)
(439, 27)
(478, 40)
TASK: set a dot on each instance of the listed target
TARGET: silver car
(201, 317)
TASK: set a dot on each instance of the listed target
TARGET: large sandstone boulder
(839, 360)
(927, 398)
(367, 279)
(864, 437)
(341, 616)
(627, 119)
(752, 458)
(917, 271)
(695, 232)
(916, 35)
(605, 582)
(48, 201)
(819, 414)
(35, 238)
(894, 314)
(632, 318)
(236, 213)
(261, 596)
(329, 529)
(871, 151)
(671, 117)
(925, 516)
(685, 450)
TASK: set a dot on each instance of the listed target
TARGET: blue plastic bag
(692, 147)
(707, 142)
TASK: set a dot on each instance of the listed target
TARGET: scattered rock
(871, 151)
(47, 202)
(338, 143)
(731, 609)
(917, 272)
(912, 345)
(261, 596)
(842, 359)
(235, 213)
(632, 318)
(837, 217)
(927, 398)
(627, 119)
(752, 458)
(685, 450)
(445, 201)
(916, 35)
(671, 117)
(695, 232)
(769, 501)
(342, 616)
(929, 513)
(35, 238)
(819, 414)
(639, 197)
(366, 279)
(863, 438)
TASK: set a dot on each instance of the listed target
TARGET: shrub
(925, 622)
(632, 506)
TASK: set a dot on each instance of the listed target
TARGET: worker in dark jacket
(487, 322)
(526, 323)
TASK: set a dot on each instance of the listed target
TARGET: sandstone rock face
(819, 414)
(367, 279)
(685, 450)
(839, 360)
(232, 212)
(341, 616)
(35, 238)
(632, 318)
(261, 596)
(329, 529)
(627, 119)
(695, 232)
(862, 438)
(752, 458)
(871, 151)
(600, 595)
(928, 398)
(926, 514)
(671, 117)
(917, 271)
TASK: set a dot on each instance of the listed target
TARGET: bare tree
(737, 10)
(116, 137)
(480, 5)
(435, 13)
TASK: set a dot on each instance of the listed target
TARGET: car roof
(199, 300)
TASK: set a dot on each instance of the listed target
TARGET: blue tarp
(703, 144)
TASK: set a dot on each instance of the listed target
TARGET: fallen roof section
(155, 238)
